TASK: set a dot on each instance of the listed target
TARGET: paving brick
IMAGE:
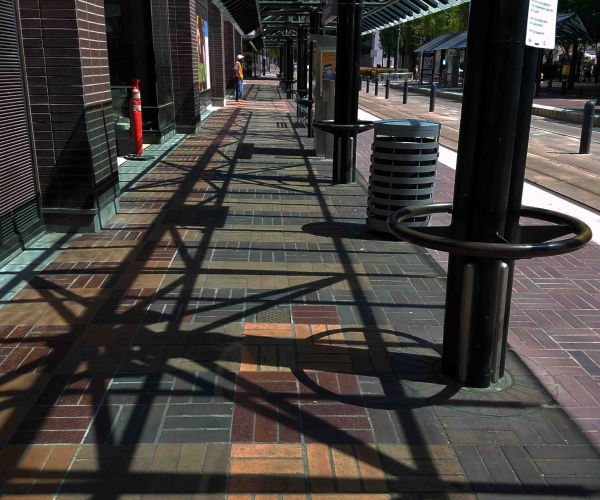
(319, 468)
(529, 475)
(370, 468)
(266, 451)
(345, 467)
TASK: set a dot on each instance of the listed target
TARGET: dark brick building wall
(184, 61)
(189, 101)
(217, 55)
(162, 66)
(66, 61)
(230, 53)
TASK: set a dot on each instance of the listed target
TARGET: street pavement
(553, 161)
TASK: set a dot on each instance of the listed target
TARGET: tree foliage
(415, 33)
(387, 40)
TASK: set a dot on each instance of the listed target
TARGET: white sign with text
(541, 23)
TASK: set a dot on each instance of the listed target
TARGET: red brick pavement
(555, 318)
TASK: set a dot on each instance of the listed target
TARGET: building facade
(67, 70)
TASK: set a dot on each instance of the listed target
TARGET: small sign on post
(541, 24)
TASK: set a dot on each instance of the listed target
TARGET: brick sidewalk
(234, 332)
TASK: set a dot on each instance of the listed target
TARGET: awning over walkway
(569, 29)
(280, 17)
(243, 14)
(442, 42)
(401, 11)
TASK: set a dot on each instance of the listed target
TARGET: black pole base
(344, 159)
(473, 353)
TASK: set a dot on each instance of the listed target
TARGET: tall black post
(314, 29)
(301, 58)
(477, 293)
(515, 195)
(405, 92)
(347, 81)
(289, 65)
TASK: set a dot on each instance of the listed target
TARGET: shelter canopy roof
(569, 29)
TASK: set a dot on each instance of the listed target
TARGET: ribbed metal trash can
(403, 167)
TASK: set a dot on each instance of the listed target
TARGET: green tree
(388, 39)
(414, 33)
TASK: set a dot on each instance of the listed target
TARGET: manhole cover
(273, 316)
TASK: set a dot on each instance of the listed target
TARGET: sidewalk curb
(560, 114)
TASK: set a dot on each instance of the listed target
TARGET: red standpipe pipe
(136, 119)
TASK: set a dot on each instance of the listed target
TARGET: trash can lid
(393, 127)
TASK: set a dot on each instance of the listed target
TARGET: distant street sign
(541, 23)
(374, 53)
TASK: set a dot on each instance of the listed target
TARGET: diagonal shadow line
(214, 367)
(134, 426)
(128, 184)
(234, 114)
(407, 421)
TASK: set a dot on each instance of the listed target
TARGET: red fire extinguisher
(136, 117)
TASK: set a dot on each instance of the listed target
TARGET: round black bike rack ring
(509, 251)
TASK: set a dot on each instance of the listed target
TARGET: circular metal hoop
(510, 251)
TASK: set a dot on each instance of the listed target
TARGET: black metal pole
(346, 88)
(515, 195)
(587, 127)
(301, 85)
(289, 65)
(477, 287)
(387, 88)
(432, 98)
(563, 89)
(376, 85)
(314, 29)
(405, 92)
(368, 83)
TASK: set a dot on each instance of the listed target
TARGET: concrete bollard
(586, 128)
(432, 98)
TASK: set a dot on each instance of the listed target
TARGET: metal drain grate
(273, 316)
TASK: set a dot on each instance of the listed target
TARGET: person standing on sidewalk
(238, 74)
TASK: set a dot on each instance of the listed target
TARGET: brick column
(230, 53)
(216, 43)
(66, 60)
(184, 63)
